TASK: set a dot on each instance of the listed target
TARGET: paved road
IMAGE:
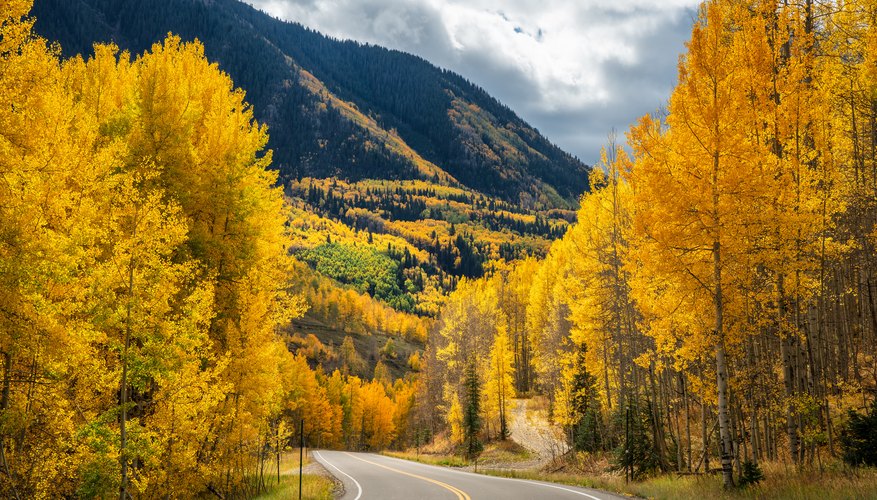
(368, 476)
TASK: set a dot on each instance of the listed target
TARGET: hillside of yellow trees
(714, 306)
(423, 236)
(146, 284)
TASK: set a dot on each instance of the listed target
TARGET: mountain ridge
(407, 99)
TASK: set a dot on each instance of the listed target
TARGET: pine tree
(585, 406)
(472, 412)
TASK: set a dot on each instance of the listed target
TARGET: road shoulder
(316, 467)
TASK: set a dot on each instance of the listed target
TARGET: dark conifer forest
(446, 120)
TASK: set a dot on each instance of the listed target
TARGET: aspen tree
(597, 284)
(499, 387)
(695, 185)
(42, 154)
(549, 326)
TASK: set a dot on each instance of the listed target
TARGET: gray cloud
(573, 69)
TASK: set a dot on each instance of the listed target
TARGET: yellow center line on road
(461, 495)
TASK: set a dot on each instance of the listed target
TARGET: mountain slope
(340, 108)
(402, 178)
(387, 160)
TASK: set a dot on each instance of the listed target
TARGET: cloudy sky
(575, 69)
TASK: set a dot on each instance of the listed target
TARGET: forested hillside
(396, 164)
(340, 108)
(147, 287)
(172, 309)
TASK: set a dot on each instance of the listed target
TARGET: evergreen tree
(858, 438)
(472, 412)
(585, 406)
(637, 453)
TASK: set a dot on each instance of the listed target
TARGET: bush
(638, 453)
(587, 435)
(858, 438)
(750, 473)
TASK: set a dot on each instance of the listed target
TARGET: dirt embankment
(531, 429)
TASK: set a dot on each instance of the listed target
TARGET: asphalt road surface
(368, 476)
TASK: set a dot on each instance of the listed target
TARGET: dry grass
(443, 459)
(780, 481)
(441, 452)
(608, 483)
(289, 461)
(538, 406)
(314, 487)
(504, 452)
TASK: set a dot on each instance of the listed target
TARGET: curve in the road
(526, 481)
(387, 478)
(358, 486)
(582, 493)
(461, 495)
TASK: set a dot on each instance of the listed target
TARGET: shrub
(637, 451)
(750, 473)
(858, 438)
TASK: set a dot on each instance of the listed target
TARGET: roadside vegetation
(496, 454)
(314, 486)
(782, 481)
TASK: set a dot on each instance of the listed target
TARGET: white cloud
(574, 68)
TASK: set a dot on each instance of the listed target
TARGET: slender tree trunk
(787, 348)
(724, 418)
(657, 423)
(721, 361)
(123, 393)
(606, 372)
(123, 385)
(704, 437)
(687, 418)
(737, 430)
(680, 459)
(4, 405)
(619, 296)
(503, 432)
